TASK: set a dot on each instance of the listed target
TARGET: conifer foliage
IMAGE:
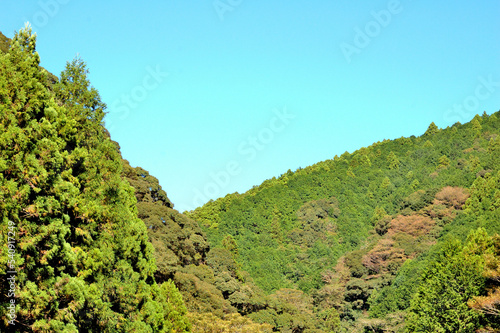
(82, 256)
(4, 43)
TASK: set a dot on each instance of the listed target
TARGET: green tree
(386, 182)
(83, 258)
(393, 161)
(440, 303)
(493, 152)
(432, 129)
(444, 161)
(230, 244)
(476, 124)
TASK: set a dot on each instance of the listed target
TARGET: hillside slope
(341, 230)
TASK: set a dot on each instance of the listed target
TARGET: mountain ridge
(287, 221)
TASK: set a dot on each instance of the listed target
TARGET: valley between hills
(399, 236)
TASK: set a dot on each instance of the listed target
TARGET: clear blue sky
(255, 88)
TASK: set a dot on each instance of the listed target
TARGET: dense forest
(400, 236)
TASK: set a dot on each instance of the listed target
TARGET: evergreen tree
(440, 304)
(83, 258)
(393, 161)
(444, 161)
(476, 124)
(432, 129)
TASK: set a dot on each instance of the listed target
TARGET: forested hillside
(208, 280)
(401, 236)
(362, 234)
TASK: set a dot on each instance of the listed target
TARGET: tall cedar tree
(83, 258)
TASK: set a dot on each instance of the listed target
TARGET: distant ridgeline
(400, 236)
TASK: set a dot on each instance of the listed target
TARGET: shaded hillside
(4, 43)
(218, 294)
(178, 240)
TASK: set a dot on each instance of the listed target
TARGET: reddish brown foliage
(452, 197)
(388, 254)
(487, 304)
(384, 256)
(331, 294)
(414, 225)
(339, 275)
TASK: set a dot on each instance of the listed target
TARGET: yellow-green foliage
(83, 258)
(208, 323)
(392, 205)
(4, 43)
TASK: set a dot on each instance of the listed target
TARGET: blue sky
(214, 97)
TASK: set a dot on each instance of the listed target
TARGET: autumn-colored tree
(209, 323)
(452, 196)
